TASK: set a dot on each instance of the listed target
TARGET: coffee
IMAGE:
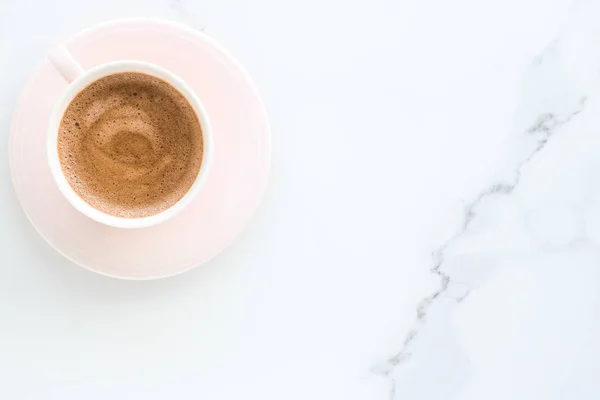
(130, 145)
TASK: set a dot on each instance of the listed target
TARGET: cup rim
(79, 84)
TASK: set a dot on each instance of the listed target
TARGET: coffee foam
(130, 145)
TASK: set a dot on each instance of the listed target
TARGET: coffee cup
(78, 79)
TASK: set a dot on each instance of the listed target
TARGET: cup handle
(64, 63)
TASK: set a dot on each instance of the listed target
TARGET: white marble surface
(431, 230)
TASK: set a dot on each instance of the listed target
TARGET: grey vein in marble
(543, 129)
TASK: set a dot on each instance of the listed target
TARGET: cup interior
(80, 84)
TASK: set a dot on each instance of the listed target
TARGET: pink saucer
(230, 195)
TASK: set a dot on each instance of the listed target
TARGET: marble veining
(543, 129)
(546, 125)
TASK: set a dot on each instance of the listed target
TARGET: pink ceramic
(232, 190)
